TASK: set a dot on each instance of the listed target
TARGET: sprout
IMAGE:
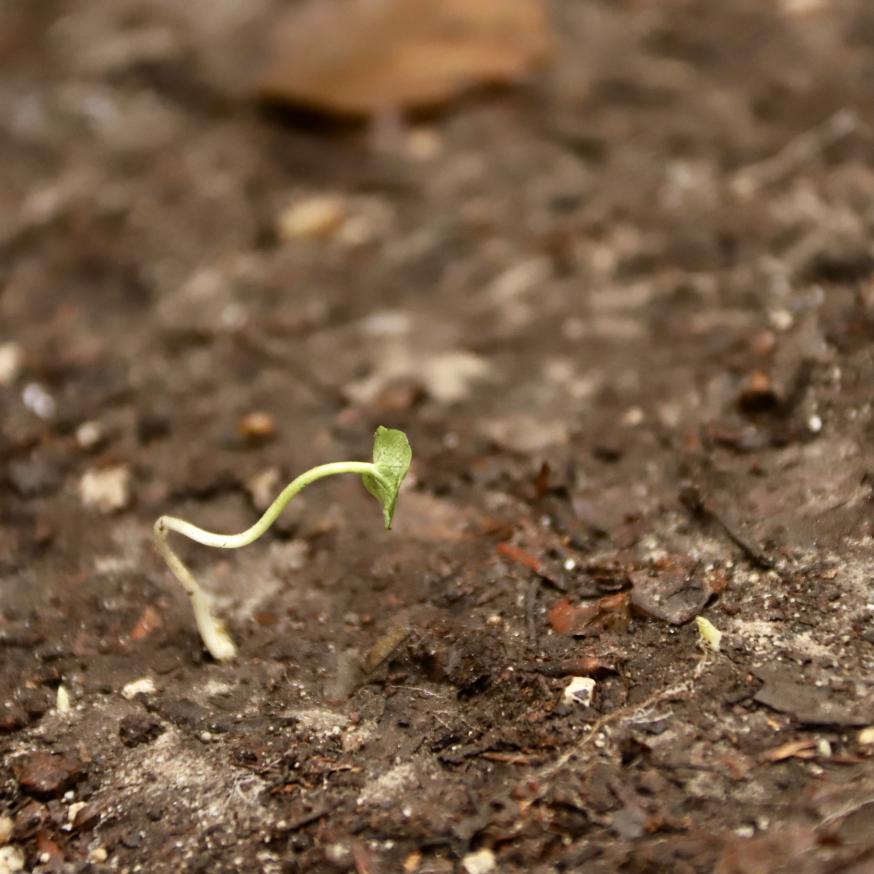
(382, 478)
(709, 635)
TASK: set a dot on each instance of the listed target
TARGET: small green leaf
(391, 456)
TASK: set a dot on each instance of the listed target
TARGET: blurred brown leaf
(358, 57)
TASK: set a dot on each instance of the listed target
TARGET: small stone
(142, 686)
(11, 358)
(39, 401)
(139, 728)
(11, 859)
(47, 775)
(89, 435)
(423, 144)
(98, 855)
(866, 736)
(257, 427)
(106, 490)
(579, 691)
(480, 862)
(6, 828)
(313, 218)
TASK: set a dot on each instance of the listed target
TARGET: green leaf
(391, 457)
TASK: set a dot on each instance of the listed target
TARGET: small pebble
(98, 855)
(11, 859)
(89, 435)
(313, 218)
(142, 686)
(579, 691)
(11, 358)
(6, 827)
(480, 862)
(257, 427)
(866, 736)
(38, 401)
(106, 489)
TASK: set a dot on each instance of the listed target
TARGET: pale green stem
(215, 636)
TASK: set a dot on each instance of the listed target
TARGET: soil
(624, 312)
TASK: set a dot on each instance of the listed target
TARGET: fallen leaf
(359, 57)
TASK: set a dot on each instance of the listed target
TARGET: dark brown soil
(625, 313)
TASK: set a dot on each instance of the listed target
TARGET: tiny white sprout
(579, 691)
(382, 478)
(62, 701)
(709, 635)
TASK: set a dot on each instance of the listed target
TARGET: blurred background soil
(609, 264)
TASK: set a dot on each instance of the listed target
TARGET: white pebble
(866, 736)
(579, 691)
(142, 686)
(89, 435)
(38, 401)
(105, 489)
(11, 859)
(480, 862)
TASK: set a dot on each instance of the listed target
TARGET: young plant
(382, 478)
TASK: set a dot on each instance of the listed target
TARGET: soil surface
(625, 313)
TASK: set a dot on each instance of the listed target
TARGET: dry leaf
(359, 57)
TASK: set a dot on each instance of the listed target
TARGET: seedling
(709, 636)
(382, 478)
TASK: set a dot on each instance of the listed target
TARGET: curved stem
(212, 630)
